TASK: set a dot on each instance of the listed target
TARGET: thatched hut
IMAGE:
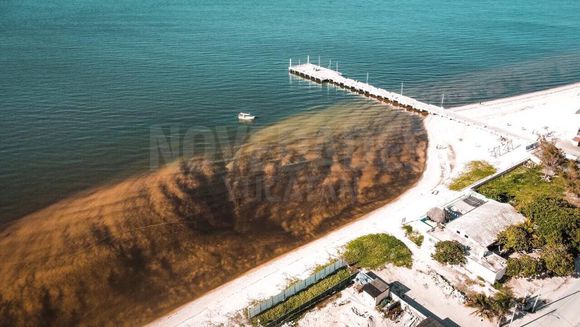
(437, 215)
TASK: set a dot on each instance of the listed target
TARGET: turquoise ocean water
(82, 83)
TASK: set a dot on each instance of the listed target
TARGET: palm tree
(491, 308)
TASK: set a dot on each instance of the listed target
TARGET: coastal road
(561, 311)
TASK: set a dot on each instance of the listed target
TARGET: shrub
(374, 250)
(414, 236)
(558, 261)
(450, 252)
(550, 155)
(572, 175)
(524, 266)
(417, 239)
(476, 170)
(557, 221)
(516, 238)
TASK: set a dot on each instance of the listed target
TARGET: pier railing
(321, 74)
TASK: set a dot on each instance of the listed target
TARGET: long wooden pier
(324, 75)
(321, 74)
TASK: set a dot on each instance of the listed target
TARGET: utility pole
(536, 301)
(308, 59)
(513, 315)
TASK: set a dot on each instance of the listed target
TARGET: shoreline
(519, 98)
(451, 145)
(296, 262)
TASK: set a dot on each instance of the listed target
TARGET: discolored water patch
(127, 253)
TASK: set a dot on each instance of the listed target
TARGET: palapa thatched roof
(437, 215)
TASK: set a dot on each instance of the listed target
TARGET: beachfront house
(474, 221)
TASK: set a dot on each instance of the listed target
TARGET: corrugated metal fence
(295, 288)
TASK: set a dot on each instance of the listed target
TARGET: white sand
(555, 111)
(451, 146)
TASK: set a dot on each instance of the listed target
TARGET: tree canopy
(515, 238)
(558, 261)
(524, 266)
(450, 252)
(552, 157)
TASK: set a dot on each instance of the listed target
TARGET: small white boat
(246, 116)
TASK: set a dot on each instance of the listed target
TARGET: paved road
(562, 311)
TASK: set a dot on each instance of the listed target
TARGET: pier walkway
(324, 75)
(321, 74)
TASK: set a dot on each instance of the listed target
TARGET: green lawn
(522, 186)
(375, 250)
(475, 171)
(300, 298)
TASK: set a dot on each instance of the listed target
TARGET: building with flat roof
(374, 289)
(474, 221)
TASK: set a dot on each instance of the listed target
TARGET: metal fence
(294, 288)
(296, 312)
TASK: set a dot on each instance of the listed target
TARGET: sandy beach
(451, 146)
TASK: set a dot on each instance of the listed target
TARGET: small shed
(375, 291)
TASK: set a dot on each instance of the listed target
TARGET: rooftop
(482, 224)
(429, 322)
(376, 287)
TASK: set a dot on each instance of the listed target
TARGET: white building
(374, 289)
(474, 221)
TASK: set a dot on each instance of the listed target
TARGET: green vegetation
(519, 238)
(572, 177)
(524, 266)
(553, 224)
(450, 252)
(375, 250)
(414, 236)
(522, 186)
(558, 259)
(300, 298)
(555, 220)
(551, 156)
(476, 170)
(491, 307)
